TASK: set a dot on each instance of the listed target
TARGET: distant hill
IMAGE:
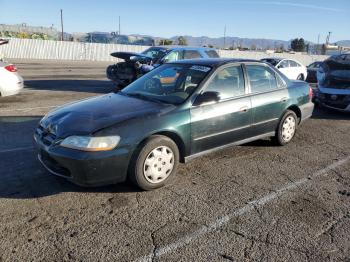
(343, 43)
(235, 42)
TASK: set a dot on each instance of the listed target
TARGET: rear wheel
(155, 163)
(286, 128)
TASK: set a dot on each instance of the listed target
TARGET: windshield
(273, 62)
(169, 83)
(155, 52)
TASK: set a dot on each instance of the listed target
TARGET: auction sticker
(200, 68)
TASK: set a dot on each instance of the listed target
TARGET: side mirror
(206, 98)
(280, 66)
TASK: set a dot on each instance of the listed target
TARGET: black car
(137, 64)
(312, 72)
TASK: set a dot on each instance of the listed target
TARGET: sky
(272, 19)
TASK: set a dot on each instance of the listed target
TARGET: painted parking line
(221, 222)
(27, 109)
(17, 149)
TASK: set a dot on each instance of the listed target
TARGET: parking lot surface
(255, 202)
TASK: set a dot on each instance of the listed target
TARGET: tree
(182, 40)
(298, 45)
(165, 42)
(253, 47)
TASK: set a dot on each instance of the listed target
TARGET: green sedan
(175, 113)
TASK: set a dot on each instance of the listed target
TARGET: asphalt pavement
(255, 202)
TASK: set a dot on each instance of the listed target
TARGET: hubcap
(158, 164)
(288, 128)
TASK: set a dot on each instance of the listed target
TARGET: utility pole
(328, 37)
(224, 37)
(119, 26)
(61, 25)
(318, 44)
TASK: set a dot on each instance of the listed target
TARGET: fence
(76, 51)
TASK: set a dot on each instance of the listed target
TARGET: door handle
(244, 109)
(284, 99)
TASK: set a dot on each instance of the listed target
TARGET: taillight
(11, 68)
(311, 93)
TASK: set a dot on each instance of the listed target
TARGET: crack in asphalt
(215, 225)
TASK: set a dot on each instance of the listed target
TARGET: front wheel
(155, 163)
(286, 128)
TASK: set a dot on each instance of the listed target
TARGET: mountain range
(229, 41)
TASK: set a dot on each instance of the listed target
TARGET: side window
(284, 64)
(293, 63)
(191, 54)
(212, 53)
(280, 82)
(174, 56)
(261, 78)
(228, 82)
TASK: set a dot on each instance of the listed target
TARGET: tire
(300, 77)
(155, 163)
(287, 128)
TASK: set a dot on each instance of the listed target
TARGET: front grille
(341, 101)
(45, 136)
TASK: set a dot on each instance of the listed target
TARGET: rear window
(212, 53)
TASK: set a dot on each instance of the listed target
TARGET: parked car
(11, 82)
(145, 130)
(136, 65)
(334, 83)
(312, 72)
(291, 68)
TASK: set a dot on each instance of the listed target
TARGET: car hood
(88, 116)
(130, 56)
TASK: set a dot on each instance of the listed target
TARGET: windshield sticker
(200, 68)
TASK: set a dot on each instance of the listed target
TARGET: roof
(273, 58)
(181, 47)
(213, 62)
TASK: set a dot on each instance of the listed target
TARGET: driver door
(227, 120)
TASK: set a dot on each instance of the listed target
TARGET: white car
(11, 82)
(290, 68)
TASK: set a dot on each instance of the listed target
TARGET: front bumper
(84, 168)
(339, 101)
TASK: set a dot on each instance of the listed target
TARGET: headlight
(89, 143)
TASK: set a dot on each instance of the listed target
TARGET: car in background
(138, 64)
(289, 67)
(312, 71)
(334, 83)
(11, 83)
(143, 131)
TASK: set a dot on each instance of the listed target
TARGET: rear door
(269, 97)
(295, 69)
(283, 66)
(229, 119)
(191, 54)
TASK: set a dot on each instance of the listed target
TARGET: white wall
(57, 50)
